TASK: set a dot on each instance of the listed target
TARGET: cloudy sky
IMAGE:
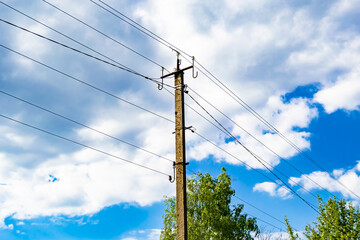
(69, 123)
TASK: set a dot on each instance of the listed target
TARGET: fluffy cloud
(81, 183)
(273, 189)
(237, 39)
(277, 235)
(148, 234)
(343, 94)
(346, 182)
(286, 117)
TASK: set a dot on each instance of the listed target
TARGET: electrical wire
(226, 133)
(236, 98)
(86, 126)
(127, 69)
(264, 145)
(266, 123)
(105, 35)
(139, 27)
(258, 158)
(90, 128)
(214, 144)
(88, 84)
(266, 222)
(83, 45)
(243, 162)
(276, 219)
(195, 132)
(265, 120)
(83, 145)
(62, 34)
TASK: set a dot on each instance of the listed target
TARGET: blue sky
(295, 62)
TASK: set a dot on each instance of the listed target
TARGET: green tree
(209, 213)
(292, 235)
(338, 219)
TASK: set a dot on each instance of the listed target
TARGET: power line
(258, 158)
(71, 48)
(83, 145)
(247, 165)
(62, 34)
(45, 1)
(276, 219)
(266, 222)
(266, 123)
(139, 27)
(45, 131)
(237, 99)
(88, 84)
(226, 133)
(105, 35)
(86, 54)
(70, 38)
(86, 126)
(220, 129)
(264, 145)
(152, 34)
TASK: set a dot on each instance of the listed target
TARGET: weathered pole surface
(181, 208)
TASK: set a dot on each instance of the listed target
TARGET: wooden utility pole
(181, 206)
(180, 164)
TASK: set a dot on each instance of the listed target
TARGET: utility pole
(180, 164)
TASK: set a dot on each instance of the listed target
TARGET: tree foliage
(209, 213)
(292, 234)
(338, 219)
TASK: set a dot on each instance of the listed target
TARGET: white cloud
(18, 139)
(10, 226)
(268, 187)
(147, 234)
(83, 181)
(288, 118)
(81, 187)
(237, 40)
(332, 51)
(343, 94)
(270, 235)
(346, 182)
(13, 137)
(273, 189)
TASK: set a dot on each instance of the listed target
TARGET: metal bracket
(185, 88)
(172, 179)
(181, 163)
(193, 68)
(191, 128)
(161, 85)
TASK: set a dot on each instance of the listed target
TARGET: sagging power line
(121, 67)
(85, 126)
(258, 158)
(104, 34)
(84, 145)
(227, 133)
(87, 84)
(218, 83)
